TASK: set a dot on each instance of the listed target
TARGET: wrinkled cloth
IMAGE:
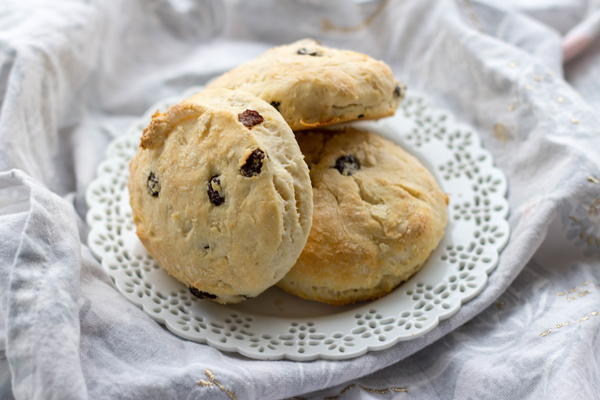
(74, 75)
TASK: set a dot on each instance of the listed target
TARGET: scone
(313, 85)
(378, 214)
(221, 195)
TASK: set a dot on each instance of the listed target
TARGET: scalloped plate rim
(251, 352)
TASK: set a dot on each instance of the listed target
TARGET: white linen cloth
(74, 74)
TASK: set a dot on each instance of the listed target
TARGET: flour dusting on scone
(312, 85)
(221, 195)
(378, 215)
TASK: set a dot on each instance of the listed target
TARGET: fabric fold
(40, 310)
(75, 75)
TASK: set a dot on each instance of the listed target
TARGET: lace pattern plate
(276, 325)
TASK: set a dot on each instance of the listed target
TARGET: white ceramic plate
(276, 325)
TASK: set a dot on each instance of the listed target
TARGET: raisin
(215, 191)
(303, 51)
(399, 91)
(276, 105)
(253, 163)
(202, 295)
(249, 118)
(153, 185)
(361, 116)
(347, 164)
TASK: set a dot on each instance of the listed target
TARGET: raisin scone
(313, 85)
(221, 195)
(378, 214)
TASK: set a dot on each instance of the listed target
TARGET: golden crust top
(378, 214)
(313, 85)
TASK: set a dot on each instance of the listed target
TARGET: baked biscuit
(313, 85)
(378, 214)
(221, 195)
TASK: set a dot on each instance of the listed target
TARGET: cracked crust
(223, 207)
(310, 91)
(371, 230)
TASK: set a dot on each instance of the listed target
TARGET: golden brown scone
(378, 214)
(221, 195)
(313, 85)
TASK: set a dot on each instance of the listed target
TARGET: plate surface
(276, 325)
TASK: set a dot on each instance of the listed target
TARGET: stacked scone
(239, 188)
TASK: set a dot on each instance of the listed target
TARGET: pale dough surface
(233, 236)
